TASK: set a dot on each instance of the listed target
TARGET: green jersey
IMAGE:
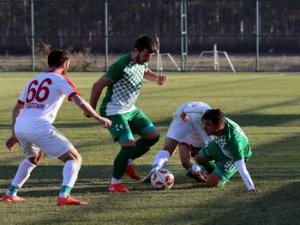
(127, 80)
(233, 143)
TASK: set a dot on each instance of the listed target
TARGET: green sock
(65, 191)
(12, 190)
(142, 146)
(222, 184)
(121, 161)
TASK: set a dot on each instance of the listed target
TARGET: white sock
(70, 173)
(23, 173)
(115, 181)
(160, 160)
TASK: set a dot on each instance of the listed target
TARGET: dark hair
(216, 116)
(145, 42)
(57, 57)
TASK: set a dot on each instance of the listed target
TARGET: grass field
(266, 105)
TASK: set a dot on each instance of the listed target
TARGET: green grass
(266, 105)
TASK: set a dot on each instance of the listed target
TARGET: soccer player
(123, 81)
(186, 133)
(32, 119)
(230, 149)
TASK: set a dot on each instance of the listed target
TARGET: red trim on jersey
(72, 95)
(72, 86)
(68, 79)
(21, 102)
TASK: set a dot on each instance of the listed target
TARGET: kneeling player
(230, 150)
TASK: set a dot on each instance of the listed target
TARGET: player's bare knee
(37, 159)
(213, 180)
(72, 154)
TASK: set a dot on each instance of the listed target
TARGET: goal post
(216, 64)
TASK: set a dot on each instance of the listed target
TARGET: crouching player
(230, 150)
(187, 133)
(32, 119)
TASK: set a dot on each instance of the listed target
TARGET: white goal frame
(216, 64)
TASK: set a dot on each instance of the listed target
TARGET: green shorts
(125, 125)
(225, 165)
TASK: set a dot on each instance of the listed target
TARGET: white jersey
(43, 96)
(191, 132)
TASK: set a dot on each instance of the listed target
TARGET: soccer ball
(162, 179)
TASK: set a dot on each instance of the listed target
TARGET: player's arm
(192, 108)
(157, 78)
(12, 140)
(241, 167)
(87, 109)
(97, 88)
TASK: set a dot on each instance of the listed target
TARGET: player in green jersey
(230, 150)
(123, 81)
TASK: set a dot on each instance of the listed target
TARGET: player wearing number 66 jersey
(32, 119)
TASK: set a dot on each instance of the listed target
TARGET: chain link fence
(259, 35)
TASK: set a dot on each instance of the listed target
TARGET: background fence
(262, 35)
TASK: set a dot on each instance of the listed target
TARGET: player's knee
(152, 141)
(37, 159)
(213, 180)
(72, 154)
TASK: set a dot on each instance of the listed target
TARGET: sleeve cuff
(21, 102)
(72, 95)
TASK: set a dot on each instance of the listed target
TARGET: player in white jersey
(32, 119)
(185, 132)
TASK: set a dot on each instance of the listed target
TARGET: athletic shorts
(50, 141)
(225, 166)
(191, 132)
(125, 125)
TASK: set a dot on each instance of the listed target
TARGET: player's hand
(10, 142)
(105, 122)
(161, 79)
(185, 118)
(86, 114)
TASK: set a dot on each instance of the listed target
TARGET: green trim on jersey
(127, 80)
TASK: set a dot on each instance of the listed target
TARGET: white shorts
(50, 141)
(191, 132)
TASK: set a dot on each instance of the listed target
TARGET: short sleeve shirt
(127, 78)
(43, 96)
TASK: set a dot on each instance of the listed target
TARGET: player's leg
(72, 160)
(185, 155)
(33, 156)
(57, 146)
(221, 173)
(177, 131)
(142, 125)
(121, 132)
(139, 123)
